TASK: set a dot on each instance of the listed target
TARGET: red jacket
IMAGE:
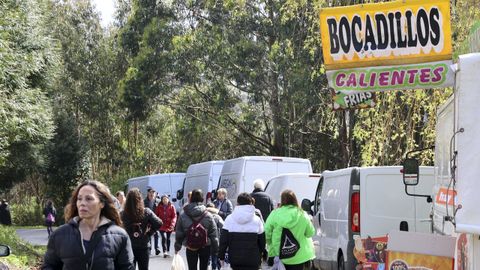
(168, 215)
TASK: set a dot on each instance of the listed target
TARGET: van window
(318, 195)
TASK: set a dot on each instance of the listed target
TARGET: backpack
(50, 218)
(197, 235)
(289, 246)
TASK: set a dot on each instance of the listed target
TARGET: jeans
(194, 255)
(216, 262)
(155, 240)
(165, 240)
(142, 257)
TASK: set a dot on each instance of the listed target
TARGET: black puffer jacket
(65, 248)
(195, 211)
(263, 202)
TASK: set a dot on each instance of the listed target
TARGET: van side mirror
(307, 206)
(410, 172)
(179, 194)
(4, 250)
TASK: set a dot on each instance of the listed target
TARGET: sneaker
(166, 254)
(157, 251)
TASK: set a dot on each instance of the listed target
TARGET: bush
(27, 213)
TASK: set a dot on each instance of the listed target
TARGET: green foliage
(27, 67)
(66, 159)
(27, 212)
(24, 255)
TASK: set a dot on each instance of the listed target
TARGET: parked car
(364, 202)
(163, 183)
(238, 174)
(4, 250)
(303, 184)
(203, 176)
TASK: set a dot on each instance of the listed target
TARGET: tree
(66, 159)
(27, 67)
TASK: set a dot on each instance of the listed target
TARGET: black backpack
(289, 246)
(197, 235)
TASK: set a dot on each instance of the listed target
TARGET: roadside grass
(23, 255)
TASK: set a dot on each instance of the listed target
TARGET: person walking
(223, 204)
(219, 222)
(120, 195)
(50, 214)
(243, 236)
(264, 203)
(92, 237)
(140, 223)
(290, 226)
(151, 202)
(166, 212)
(5, 214)
(195, 213)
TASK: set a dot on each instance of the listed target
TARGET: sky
(106, 9)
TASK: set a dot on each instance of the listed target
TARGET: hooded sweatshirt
(242, 235)
(194, 211)
(298, 222)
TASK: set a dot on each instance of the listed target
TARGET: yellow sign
(392, 33)
(414, 261)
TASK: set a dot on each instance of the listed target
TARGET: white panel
(468, 146)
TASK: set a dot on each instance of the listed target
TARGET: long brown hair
(109, 210)
(134, 207)
(288, 197)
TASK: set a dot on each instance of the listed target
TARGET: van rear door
(384, 203)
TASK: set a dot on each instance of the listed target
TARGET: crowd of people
(103, 231)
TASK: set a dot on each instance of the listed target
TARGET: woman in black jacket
(141, 223)
(50, 214)
(92, 238)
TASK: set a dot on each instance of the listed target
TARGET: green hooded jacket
(299, 223)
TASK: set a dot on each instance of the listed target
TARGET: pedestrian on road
(151, 202)
(120, 195)
(219, 222)
(263, 202)
(223, 204)
(5, 215)
(243, 236)
(291, 217)
(140, 223)
(196, 212)
(50, 214)
(166, 212)
(92, 237)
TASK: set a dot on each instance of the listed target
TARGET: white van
(202, 176)
(238, 174)
(164, 183)
(365, 202)
(303, 184)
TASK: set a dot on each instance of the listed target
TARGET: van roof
(155, 176)
(372, 169)
(297, 175)
(203, 167)
(275, 158)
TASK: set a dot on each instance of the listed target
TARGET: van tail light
(355, 212)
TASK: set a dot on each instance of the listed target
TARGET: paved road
(40, 237)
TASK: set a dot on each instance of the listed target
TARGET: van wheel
(340, 262)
